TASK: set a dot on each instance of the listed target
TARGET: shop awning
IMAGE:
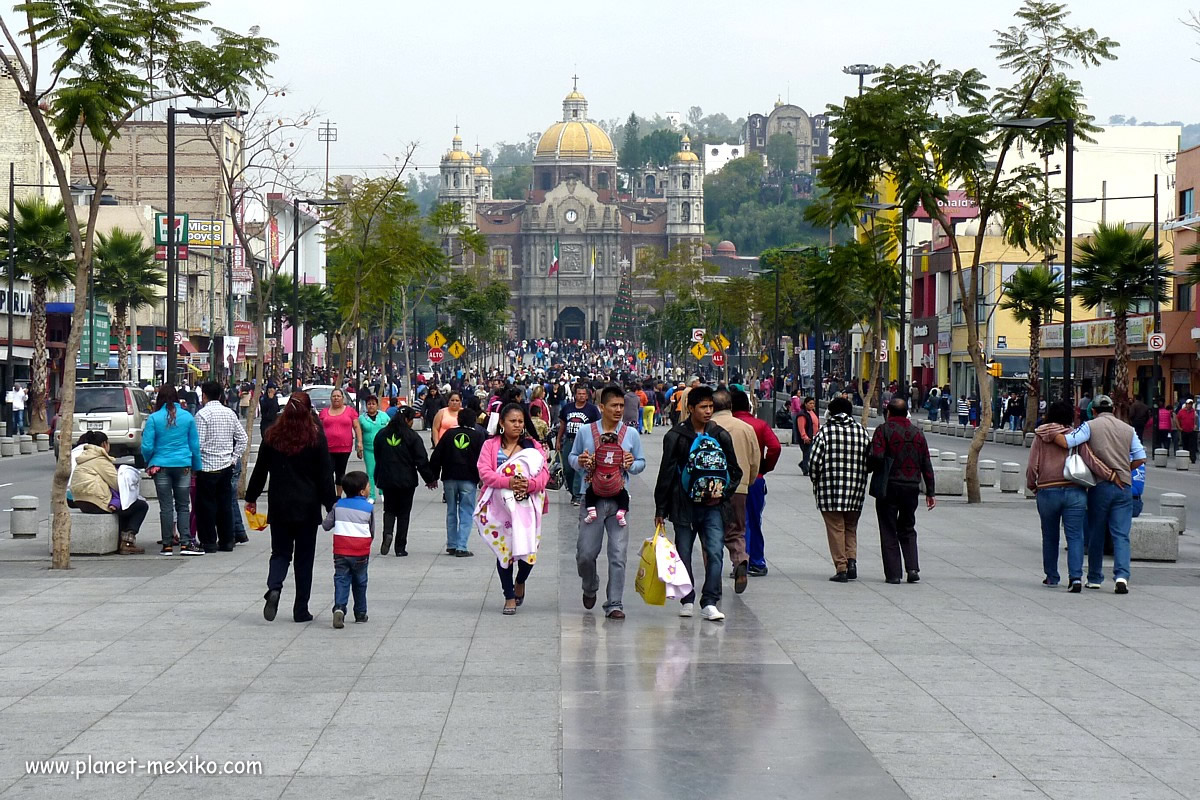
(187, 348)
(20, 352)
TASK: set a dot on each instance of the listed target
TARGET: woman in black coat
(295, 457)
(268, 409)
(400, 460)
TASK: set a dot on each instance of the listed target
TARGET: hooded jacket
(399, 457)
(1046, 459)
(95, 477)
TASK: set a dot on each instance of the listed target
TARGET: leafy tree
(725, 191)
(630, 158)
(126, 278)
(781, 154)
(92, 65)
(423, 188)
(925, 128)
(757, 226)
(1116, 268)
(43, 245)
(511, 183)
(477, 305)
(658, 147)
(1031, 295)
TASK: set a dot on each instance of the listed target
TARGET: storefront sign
(943, 343)
(22, 302)
(957, 205)
(206, 232)
(925, 330)
(1098, 333)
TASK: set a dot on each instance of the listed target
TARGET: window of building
(456, 181)
(500, 258)
(716, 152)
(1186, 202)
(602, 180)
(650, 183)
(686, 212)
(574, 113)
(735, 152)
(687, 181)
(546, 181)
(1183, 297)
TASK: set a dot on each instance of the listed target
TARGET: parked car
(117, 408)
(319, 394)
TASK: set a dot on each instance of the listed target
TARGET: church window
(735, 152)
(687, 181)
(500, 258)
(716, 152)
(456, 180)
(687, 212)
(602, 180)
(574, 113)
(599, 258)
(546, 181)
(650, 184)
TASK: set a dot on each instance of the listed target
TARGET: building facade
(572, 214)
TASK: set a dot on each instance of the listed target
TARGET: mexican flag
(554, 263)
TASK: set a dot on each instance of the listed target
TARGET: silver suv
(117, 408)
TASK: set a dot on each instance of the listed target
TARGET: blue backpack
(705, 472)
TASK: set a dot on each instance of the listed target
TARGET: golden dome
(457, 155)
(575, 140)
(480, 169)
(685, 155)
(574, 95)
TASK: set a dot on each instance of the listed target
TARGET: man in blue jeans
(454, 460)
(1110, 504)
(691, 519)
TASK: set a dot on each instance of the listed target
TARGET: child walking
(352, 521)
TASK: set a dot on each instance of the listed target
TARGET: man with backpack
(607, 452)
(698, 474)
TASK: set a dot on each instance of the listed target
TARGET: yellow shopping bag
(651, 587)
(256, 522)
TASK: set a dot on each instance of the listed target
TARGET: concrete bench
(92, 534)
(947, 480)
(1154, 538)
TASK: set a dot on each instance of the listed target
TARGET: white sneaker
(687, 609)
(1091, 585)
(712, 613)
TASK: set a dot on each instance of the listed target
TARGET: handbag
(556, 471)
(1075, 469)
(649, 585)
(879, 479)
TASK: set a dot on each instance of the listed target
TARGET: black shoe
(450, 551)
(272, 606)
(1122, 586)
(226, 548)
(852, 569)
(1076, 587)
(463, 554)
(386, 545)
(589, 601)
(840, 578)
(302, 616)
(894, 580)
(913, 576)
(756, 572)
(401, 553)
(339, 618)
(360, 617)
(211, 549)
(243, 539)
(739, 578)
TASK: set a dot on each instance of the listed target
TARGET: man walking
(606, 520)
(455, 460)
(838, 468)
(902, 444)
(749, 457)
(698, 472)
(1110, 503)
(222, 442)
(573, 417)
(756, 498)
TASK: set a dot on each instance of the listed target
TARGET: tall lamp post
(296, 323)
(1032, 124)
(862, 71)
(209, 114)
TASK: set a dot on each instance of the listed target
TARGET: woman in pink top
(343, 434)
(446, 419)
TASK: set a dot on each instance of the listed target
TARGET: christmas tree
(620, 321)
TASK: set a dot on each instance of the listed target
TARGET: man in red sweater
(756, 500)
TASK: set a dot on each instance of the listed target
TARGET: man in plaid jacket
(838, 468)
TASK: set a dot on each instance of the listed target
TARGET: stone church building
(573, 205)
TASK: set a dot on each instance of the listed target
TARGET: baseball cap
(1188, 401)
(1102, 401)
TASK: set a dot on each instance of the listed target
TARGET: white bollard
(963, 459)
(987, 472)
(1029, 437)
(25, 445)
(934, 453)
(1174, 504)
(1160, 456)
(1010, 477)
(8, 446)
(23, 520)
(1182, 460)
(42, 442)
(947, 456)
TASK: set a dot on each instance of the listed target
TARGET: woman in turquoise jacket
(372, 423)
(171, 447)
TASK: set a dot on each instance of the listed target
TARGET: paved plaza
(978, 682)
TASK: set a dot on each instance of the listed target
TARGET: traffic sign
(718, 359)
(882, 356)
(457, 349)
(720, 342)
(642, 355)
(436, 339)
(1158, 342)
(764, 358)
(698, 335)
(178, 338)
(436, 354)
(699, 350)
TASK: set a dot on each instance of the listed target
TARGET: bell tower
(685, 195)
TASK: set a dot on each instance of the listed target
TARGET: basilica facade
(573, 213)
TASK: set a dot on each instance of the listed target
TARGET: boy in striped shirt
(352, 521)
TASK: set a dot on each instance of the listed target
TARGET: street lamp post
(1035, 123)
(862, 71)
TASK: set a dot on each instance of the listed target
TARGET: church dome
(726, 248)
(575, 139)
(685, 153)
(456, 153)
(480, 169)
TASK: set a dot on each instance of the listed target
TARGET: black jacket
(456, 456)
(268, 410)
(399, 456)
(669, 500)
(300, 484)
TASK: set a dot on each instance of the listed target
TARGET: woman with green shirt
(372, 423)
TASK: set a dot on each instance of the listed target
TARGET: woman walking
(796, 408)
(508, 515)
(400, 459)
(807, 423)
(171, 448)
(342, 433)
(371, 423)
(1058, 499)
(446, 419)
(268, 409)
(295, 457)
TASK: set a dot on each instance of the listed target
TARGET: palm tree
(126, 277)
(44, 253)
(1117, 268)
(1031, 295)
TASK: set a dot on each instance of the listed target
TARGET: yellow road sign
(720, 343)
(764, 358)
(457, 349)
(436, 339)
(699, 350)
(642, 356)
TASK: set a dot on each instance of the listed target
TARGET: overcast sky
(393, 71)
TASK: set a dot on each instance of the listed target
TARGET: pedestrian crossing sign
(457, 349)
(436, 339)
(699, 350)
(642, 356)
(720, 343)
(764, 358)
